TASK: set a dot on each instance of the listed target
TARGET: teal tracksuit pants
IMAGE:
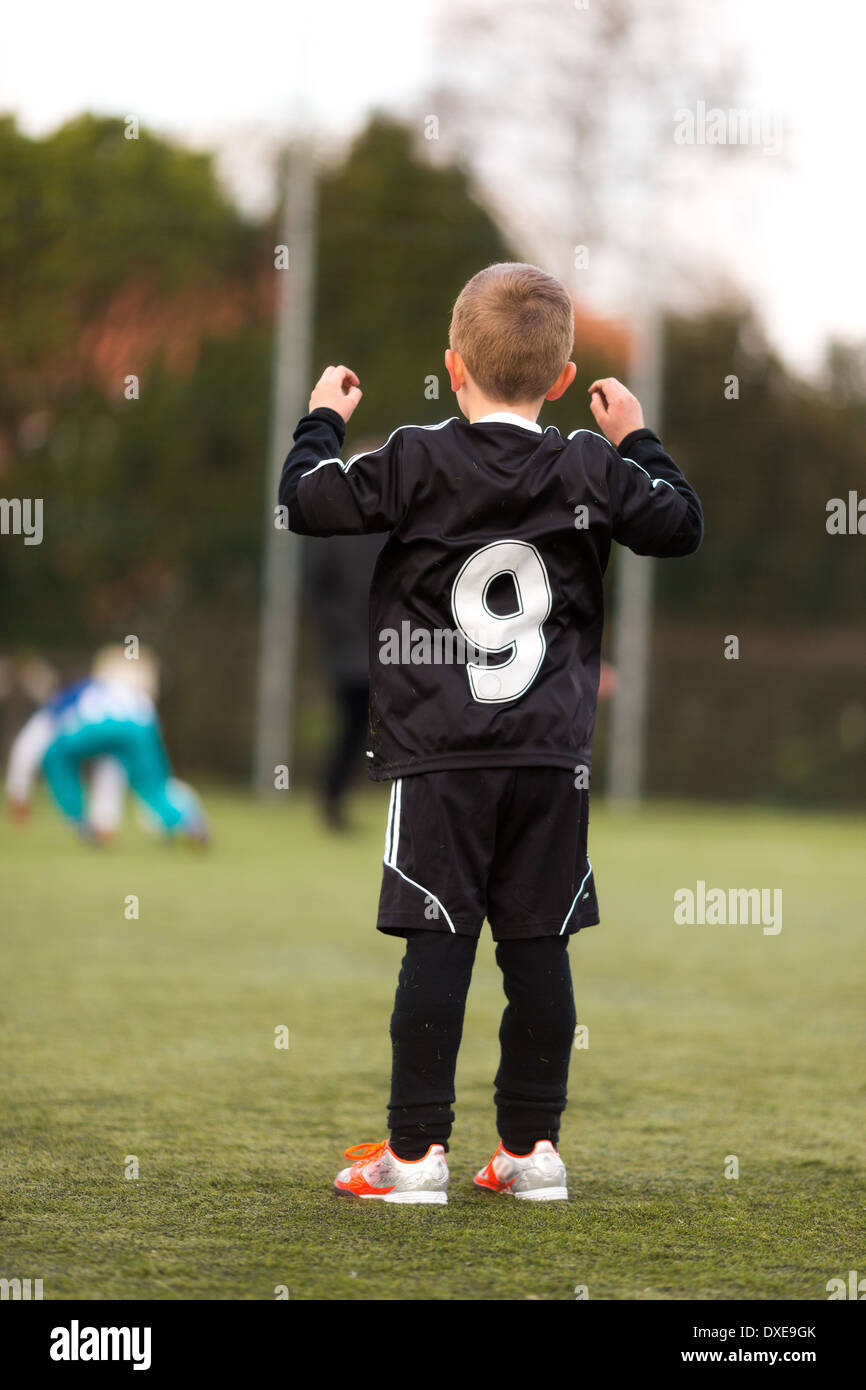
(138, 747)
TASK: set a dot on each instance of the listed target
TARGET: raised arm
(654, 509)
(323, 495)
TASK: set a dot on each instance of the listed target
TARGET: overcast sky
(229, 78)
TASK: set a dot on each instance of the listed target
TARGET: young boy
(499, 535)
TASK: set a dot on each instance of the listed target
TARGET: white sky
(230, 78)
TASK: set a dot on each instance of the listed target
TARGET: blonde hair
(513, 325)
(140, 673)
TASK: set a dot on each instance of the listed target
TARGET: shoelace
(359, 1152)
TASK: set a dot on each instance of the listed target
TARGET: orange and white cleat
(379, 1175)
(535, 1177)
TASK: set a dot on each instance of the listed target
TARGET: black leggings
(536, 1038)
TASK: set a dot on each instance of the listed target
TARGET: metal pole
(289, 395)
(634, 593)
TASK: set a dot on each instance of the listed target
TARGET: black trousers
(536, 1039)
(345, 754)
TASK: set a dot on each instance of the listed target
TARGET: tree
(399, 237)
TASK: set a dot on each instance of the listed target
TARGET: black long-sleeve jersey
(487, 604)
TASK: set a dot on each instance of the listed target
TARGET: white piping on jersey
(319, 465)
(585, 877)
(392, 843)
(654, 481)
(508, 417)
(369, 453)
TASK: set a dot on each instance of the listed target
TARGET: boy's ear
(562, 383)
(455, 369)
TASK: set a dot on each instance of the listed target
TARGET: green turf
(155, 1038)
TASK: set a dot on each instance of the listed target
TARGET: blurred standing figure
(340, 569)
(110, 723)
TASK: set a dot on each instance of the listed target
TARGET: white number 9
(489, 632)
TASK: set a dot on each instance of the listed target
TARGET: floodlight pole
(289, 395)
(634, 594)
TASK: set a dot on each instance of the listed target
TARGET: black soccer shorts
(505, 843)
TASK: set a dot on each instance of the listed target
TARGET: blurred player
(108, 724)
(339, 571)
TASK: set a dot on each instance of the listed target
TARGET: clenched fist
(617, 412)
(339, 389)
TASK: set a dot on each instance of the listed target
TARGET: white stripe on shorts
(576, 897)
(392, 844)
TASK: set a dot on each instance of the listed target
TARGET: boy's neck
(478, 409)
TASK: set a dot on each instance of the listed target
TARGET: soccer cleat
(379, 1175)
(535, 1177)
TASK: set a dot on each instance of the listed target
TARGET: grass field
(155, 1038)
